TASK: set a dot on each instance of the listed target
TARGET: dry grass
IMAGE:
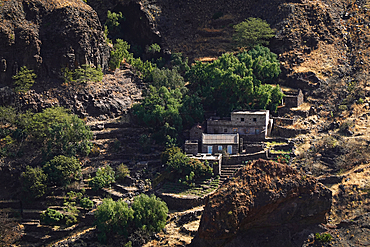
(321, 60)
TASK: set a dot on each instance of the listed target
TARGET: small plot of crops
(198, 188)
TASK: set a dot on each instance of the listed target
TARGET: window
(209, 149)
(229, 149)
(254, 119)
(219, 148)
(225, 130)
(242, 119)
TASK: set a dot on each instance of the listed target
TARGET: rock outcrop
(265, 204)
(49, 35)
(110, 98)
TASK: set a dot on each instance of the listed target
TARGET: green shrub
(122, 172)
(183, 166)
(153, 48)
(150, 213)
(252, 32)
(59, 132)
(83, 74)
(33, 182)
(86, 203)
(62, 170)
(323, 237)
(24, 80)
(51, 217)
(113, 217)
(104, 177)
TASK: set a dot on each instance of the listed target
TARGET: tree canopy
(252, 32)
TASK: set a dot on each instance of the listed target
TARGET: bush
(150, 213)
(122, 172)
(33, 182)
(51, 217)
(84, 74)
(104, 177)
(252, 32)
(24, 80)
(113, 217)
(86, 203)
(323, 237)
(153, 48)
(183, 166)
(62, 170)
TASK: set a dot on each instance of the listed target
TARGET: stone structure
(251, 125)
(191, 147)
(196, 132)
(293, 100)
(213, 160)
(216, 143)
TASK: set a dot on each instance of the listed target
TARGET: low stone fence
(286, 132)
(241, 158)
(181, 202)
(284, 121)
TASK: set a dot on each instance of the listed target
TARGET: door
(229, 149)
(210, 149)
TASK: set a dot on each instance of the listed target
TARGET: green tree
(113, 21)
(33, 182)
(113, 217)
(59, 132)
(61, 170)
(252, 32)
(118, 53)
(168, 78)
(150, 213)
(24, 80)
(160, 111)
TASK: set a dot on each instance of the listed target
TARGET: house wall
(191, 147)
(294, 100)
(250, 126)
(235, 148)
(196, 132)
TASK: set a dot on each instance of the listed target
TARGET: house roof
(259, 112)
(220, 139)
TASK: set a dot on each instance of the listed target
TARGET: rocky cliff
(49, 35)
(265, 204)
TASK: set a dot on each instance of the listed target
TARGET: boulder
(265, 204)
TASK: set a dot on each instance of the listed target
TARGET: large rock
(265, 204)
(49, 35)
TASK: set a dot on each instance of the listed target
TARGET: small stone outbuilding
(293, 100)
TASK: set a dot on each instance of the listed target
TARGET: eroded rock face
(265, 204)
(49, 35)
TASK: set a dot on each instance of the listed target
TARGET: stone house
(250, 125)
(216, 143)
(291, 100)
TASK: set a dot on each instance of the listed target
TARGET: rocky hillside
(49, 35)
(264, 204)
